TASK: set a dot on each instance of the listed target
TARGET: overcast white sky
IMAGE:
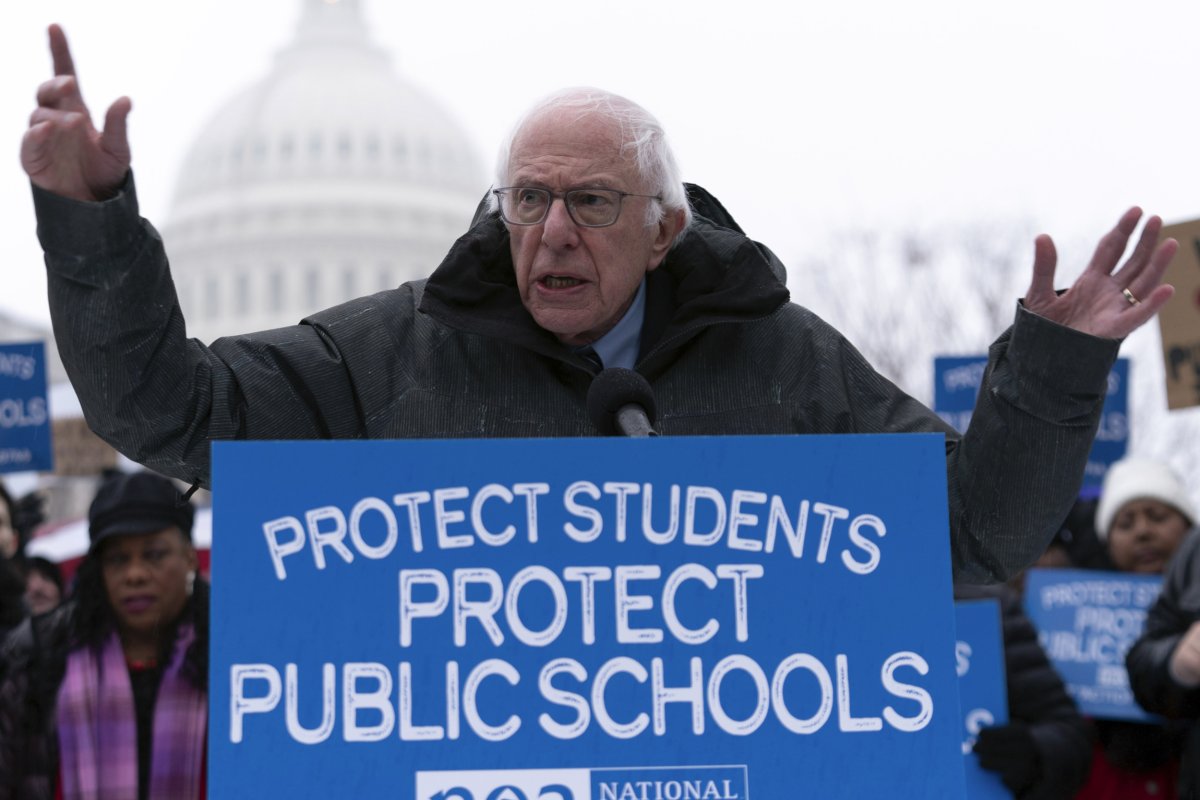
(802, 117)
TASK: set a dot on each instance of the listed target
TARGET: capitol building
(330, 178)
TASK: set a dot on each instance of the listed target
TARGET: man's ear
(668, 228)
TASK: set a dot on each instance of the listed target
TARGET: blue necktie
(589, 355)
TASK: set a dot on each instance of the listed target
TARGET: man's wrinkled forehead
(591, 142)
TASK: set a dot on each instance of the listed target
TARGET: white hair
(642, 138)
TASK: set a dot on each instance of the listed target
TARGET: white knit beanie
(1135, 479)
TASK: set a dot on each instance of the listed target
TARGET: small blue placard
(956, 385)
(25, 443)
(1086, 622)
(1112, 437)
(588, 619)
(982, 689)
(956, 382)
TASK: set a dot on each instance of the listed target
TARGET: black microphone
(621, 402)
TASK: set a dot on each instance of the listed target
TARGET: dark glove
(1010, 751)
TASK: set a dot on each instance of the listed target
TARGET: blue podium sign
(1086, 622)
(588, 619)
(956, 384)
(25, 442)
(982, 688)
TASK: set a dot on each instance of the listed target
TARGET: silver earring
(191, 581)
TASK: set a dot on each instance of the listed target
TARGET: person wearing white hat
(1144, 515)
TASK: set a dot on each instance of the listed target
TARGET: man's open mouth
(560, 282)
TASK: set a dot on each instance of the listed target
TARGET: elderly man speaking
(590, 252)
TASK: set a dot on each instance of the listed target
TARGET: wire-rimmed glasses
(589, 208)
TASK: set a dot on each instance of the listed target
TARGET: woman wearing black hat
(106, 697)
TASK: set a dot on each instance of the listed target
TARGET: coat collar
(713, 274)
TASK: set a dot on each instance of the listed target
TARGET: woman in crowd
(12, 586)
(10, 542)
(43, 585)
(106, 696)
(1144, 517)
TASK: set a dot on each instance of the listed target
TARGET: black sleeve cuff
(71, 229)
(1063, 366)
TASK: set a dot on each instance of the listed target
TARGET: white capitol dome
(328, 179)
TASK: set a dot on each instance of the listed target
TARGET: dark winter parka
(459, 356)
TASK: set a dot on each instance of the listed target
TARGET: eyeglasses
(589, 208)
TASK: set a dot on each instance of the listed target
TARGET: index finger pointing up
(61, 53)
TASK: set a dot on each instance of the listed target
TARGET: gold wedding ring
(1133, 301)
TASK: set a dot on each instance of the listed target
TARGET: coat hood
(714, 273)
